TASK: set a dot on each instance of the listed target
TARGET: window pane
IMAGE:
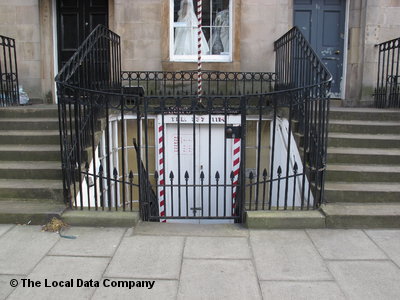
(220, 31)
(186, 32)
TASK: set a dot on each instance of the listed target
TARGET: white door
(187, 197)
(219, 198)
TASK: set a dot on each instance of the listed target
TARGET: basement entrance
(198, 162)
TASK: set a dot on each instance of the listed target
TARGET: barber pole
(161, 191)
(199, 32)
(235, 170)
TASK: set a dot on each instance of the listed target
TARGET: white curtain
(186, 31)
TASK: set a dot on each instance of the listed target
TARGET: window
(216, 36)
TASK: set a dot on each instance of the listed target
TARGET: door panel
(75, 20)
(209, 201)
(322, 22)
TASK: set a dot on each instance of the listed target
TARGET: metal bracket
(233, 132)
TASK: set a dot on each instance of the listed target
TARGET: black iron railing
(253, 141)
(387, 91)
(185, 82)
(9, 90)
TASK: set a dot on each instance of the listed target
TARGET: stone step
(92, 217)
(349, 113)
(365, 192)
(36, 101)
(28, 124)
(30, 170)
(341, 155)
(29, 152)
(31, 189)
(351, 215)
(363, 140)
(31, 111)
(284, 219)
(362, 173)
(23, 211)
(369, 127)
(335, 103)
(35, 137)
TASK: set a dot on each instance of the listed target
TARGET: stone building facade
(144, 27)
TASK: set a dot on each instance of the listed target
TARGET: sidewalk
(200, 262)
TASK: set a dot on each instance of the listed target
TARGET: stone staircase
(30, 169)
(362, 187)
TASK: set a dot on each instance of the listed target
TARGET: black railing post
(9, 87)
(387, 90)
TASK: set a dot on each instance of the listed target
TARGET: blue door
(322, 22)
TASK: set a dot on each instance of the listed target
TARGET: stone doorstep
(100, 218)
(282, 219)
(340, 215)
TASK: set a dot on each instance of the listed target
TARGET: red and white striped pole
(161, 191)
(199, 32)
(235, 170)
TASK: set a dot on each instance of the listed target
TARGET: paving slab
(345, 244)
(89, 241)
(218, 279)
(4, 228)
(388, 241)
(5, 287)
(162, 289)
(287, 255)
(367, 279)
(289, 290)
(217, 247)
(61, 268)
(23, 247)
(179, 229)
(147, 257)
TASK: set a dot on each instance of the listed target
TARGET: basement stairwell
(30, 170)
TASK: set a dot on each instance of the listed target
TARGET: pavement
(186, 261)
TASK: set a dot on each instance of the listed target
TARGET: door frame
(55, 36)
(342, 94)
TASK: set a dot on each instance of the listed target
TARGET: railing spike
(279, 170)
(186, 175)
(115, 172)
(265, 173)
(201, 175)
(232, 175)
(217, 175)
(251, 175)
(295, 167)
(156, 175)
(171, 175)
(131, 175)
